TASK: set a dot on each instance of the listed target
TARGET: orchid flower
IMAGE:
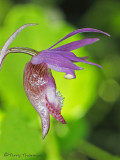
(39, 83)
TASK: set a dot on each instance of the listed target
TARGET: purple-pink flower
(39, 83)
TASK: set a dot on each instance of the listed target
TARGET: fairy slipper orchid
(39, 83)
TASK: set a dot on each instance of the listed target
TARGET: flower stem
(29, 51)
(94, 152)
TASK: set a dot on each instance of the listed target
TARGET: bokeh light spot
(62, 130)
(109, 90)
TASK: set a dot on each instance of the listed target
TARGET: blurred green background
(92, 100)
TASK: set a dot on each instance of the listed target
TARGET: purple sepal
(79, 31)
(53, 59)
(76, 44)
(71, 56)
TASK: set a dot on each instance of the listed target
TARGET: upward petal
(79, 31)
(3, 51)
(76, 44)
